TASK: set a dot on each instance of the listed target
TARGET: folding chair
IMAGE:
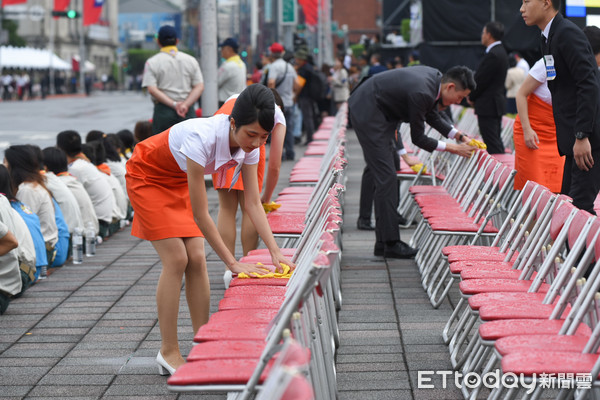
(513, 305)
(243, 374)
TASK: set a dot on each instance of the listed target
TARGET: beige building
(101, 39)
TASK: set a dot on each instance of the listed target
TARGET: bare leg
(228, 203)
(197, 285)
(174, 259)
(249, 234)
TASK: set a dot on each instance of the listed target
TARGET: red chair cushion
(213, 372)
(494, 330)
(535, 343)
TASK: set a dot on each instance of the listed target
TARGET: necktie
(222, 172)
(236, 175)
(544, 45)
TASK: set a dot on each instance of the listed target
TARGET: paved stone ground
(90, 331)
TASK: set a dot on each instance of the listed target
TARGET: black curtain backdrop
(462, 21)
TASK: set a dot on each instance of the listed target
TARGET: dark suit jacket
(576, 88)
(489, 95)
(403, 95)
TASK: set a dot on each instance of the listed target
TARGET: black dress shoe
(378, 250)
(401, 220)
(364, 225)
(399, 250)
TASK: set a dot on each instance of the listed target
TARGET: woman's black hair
(95, 152)
(255, 103)
(278, 100)
(94, 135)
(69, 142)
(112, 145)
(55, 160)
(23, 165)
(127, 138)
(6, 186)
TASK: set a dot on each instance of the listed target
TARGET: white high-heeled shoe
(163, 367)
(227, 277)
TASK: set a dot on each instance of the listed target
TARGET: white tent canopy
(30, 58)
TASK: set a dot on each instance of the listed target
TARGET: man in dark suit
(489, 97)
(574, 82)
(376, 107)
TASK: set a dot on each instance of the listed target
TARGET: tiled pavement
(90, 331)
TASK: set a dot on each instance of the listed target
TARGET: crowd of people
(52, 197)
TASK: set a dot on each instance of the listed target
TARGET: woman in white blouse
(165, 181)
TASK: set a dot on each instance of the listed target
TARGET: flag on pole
(310, 8)
(91, 11)
(61, 5)
(9, 2)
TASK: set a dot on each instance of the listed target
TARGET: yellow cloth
(272, 206)
(417, 168)
(477, 143)
(286, 274)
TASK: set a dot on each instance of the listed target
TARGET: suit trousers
(374, 134)
(489, 128)
(367, 190)
(582, 186)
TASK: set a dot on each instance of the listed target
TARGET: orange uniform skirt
(544, 165)
(239, 185)
(158, 192)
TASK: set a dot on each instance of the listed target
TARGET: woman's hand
(239, 267)
(531, 139)
(279, 259)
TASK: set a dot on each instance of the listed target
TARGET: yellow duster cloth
(270, 206)
(286, 274)
(417, 168)
(477, 143)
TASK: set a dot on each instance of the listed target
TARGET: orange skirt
(239, 185)
(158, 192)
(544, 165)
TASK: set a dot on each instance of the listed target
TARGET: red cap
(276, 48)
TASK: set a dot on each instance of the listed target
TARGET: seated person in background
(95, 152)
(61, 193)
(142, 130)
(94, 135)
(26, 249)
(10, 277)
(92, 179)
(112, 145)
(31, 189)
(55, 162)
(31, 220)
(128, 140)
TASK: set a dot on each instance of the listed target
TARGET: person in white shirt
(96, 153)
(55, 161)
(26, 249)
(165, 180)
(10, 275)
(521, 63)
(31, 190)
(231, 78)
(61, 193)
(94, 183)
